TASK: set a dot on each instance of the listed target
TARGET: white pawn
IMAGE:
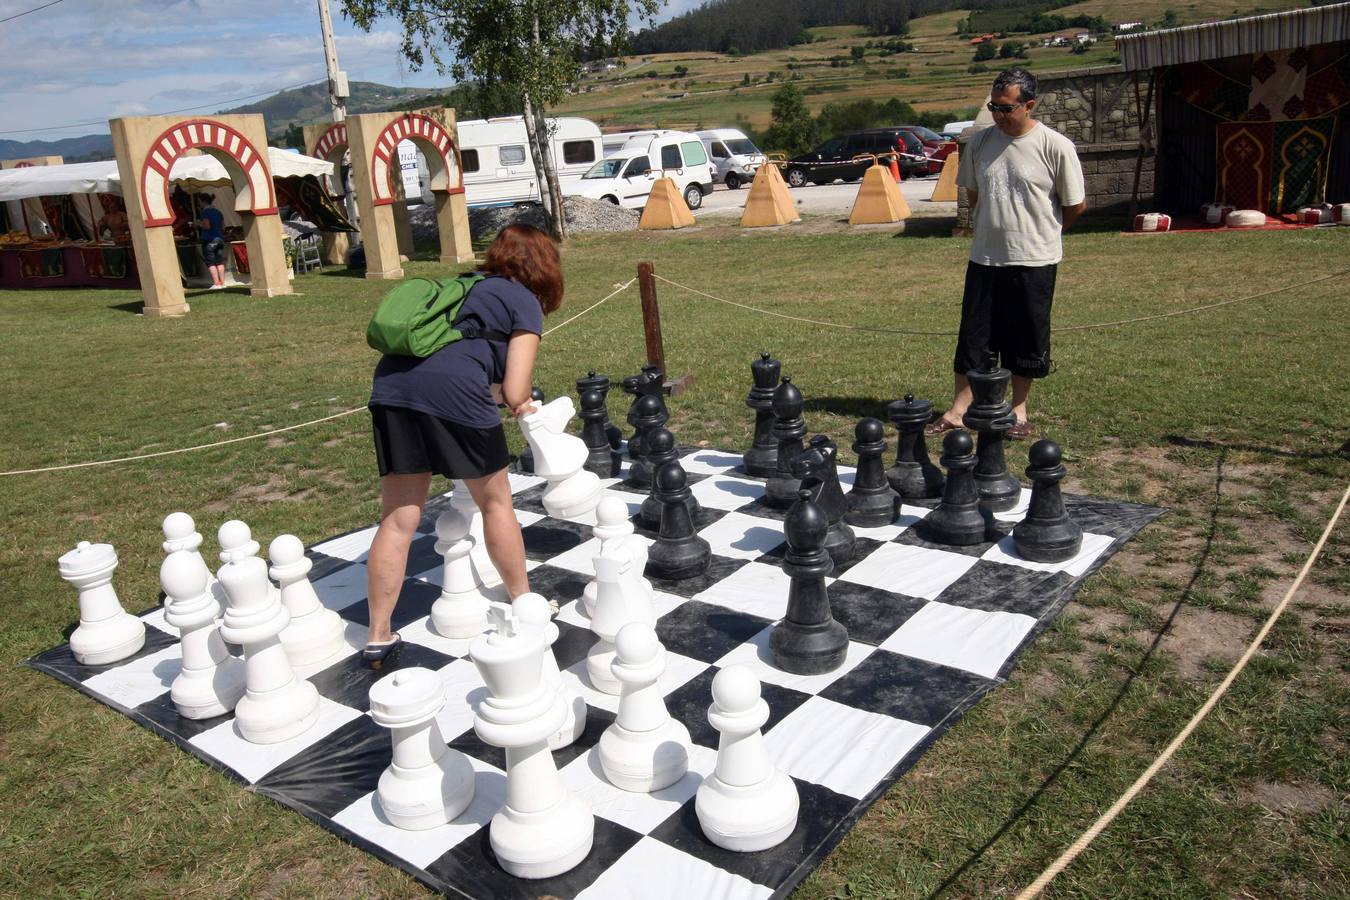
(559, 457)
(277, 704)
(532, 609)
(483, 569)
(746, 804)
(211, 681)
(543, 829)
(620, 599)
(106, 632)
(645, 749)
(427, 784)
(236, 542)
(461, 609)
(315, 633)
(613, 524)
(180, 533)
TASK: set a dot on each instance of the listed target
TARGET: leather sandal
(939, 426)
(1020, 432)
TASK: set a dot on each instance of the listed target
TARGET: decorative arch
(332, 140)
(254, 192)
(434, 140)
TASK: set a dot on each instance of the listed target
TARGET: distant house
(983, 39)
(1127, 26)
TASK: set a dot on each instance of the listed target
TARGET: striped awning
(1235, 37)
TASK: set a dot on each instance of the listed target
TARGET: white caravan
(735, 158)
(498, 170)
(626, 177)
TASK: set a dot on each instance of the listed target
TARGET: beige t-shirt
(1024, 183)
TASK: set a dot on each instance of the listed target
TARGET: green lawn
(1235, 418)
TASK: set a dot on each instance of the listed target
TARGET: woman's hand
(497, 397)
(524, 409)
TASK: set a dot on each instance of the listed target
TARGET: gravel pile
(582, 215)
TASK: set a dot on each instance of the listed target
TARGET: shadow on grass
(849, 407)
(131, 306)
(1342, 451)
(1110, 709)
(342, 272)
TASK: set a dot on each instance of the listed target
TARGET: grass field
(1233, 418)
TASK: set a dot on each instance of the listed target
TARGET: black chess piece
(648, 415)
(809, 640)
(871, 503)
(990, 416)
(525, 462)
(1047, 534)
(660, 446)
(647, 383)
(788, 429)
(913, 476)
(762, 457)
(678, 552)
(819, 473)
(594, 382)
(601, 457)
(958, 520)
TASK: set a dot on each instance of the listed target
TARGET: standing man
(1025, 186)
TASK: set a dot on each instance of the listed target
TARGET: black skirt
(408, 442)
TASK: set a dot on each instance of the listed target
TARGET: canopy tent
(1246, 36)
(199, 170)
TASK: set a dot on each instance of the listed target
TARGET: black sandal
(376, 654)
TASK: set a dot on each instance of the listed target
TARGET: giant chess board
(932, 629)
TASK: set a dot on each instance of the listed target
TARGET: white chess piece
(427, 784)
(236, 542)
(620, 599)
(645, 749)
(559, 457)
(746, 804)
(211, 681)
(315, 633)
(277, 704)
(483, 569)
(612, 524)
(106, 632)
(180, 533)
(461, 609)
(543, 829)
(532, 609)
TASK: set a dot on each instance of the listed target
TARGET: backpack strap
(469, 332)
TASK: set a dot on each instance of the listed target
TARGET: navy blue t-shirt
(214, 220)
(454, 383)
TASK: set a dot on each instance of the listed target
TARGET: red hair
(528, 255)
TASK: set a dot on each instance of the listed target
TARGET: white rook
(315, 632)
(427, 784)
(106, 632)
(645, 749)
(211, 681)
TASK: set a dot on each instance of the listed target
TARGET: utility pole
(338, 92)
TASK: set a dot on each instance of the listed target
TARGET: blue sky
(90, 60)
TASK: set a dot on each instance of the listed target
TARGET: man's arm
(1071, 214)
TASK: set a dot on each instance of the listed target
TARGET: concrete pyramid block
(945, 190)
(879, 200)
(665, 207)
(769, 202)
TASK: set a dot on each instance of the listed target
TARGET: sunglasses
(1004, 108)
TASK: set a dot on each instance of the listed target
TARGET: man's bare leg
(1021, 389)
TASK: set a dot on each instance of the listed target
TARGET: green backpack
(414, 318)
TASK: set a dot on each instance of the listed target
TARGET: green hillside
(303, 105)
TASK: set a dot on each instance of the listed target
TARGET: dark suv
(835, 158)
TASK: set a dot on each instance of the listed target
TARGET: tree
(532, 48)
(1170, 18)
(985, 51)
(793, 129)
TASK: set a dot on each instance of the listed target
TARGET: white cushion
(1152, 222)
(1246, 218)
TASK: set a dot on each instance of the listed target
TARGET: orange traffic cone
(895, 167)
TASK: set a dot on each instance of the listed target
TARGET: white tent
(102, 177)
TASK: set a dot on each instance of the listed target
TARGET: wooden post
(651, 327)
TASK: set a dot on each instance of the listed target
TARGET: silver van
(734, 157)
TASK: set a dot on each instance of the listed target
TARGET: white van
(498, 170)
(626, 178)
(735, 158)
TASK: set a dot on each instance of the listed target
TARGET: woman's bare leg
(402, 498)
(501, 530)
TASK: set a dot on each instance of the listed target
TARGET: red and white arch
(435, 141)
(332, 140)
(247, 167)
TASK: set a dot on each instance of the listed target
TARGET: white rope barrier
(1142, 781)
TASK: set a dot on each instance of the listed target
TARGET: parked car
(626, 177)
(836, 157)
(936, 146)
(735, 158)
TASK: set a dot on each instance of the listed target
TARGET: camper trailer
(498, 170)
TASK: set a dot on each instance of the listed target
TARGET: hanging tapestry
(1275, 167)
(307, 197)
(105, 262)
(48, 263)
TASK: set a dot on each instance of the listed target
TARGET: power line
(167, 112)
(33, 10)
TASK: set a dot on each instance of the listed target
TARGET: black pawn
(762, 457)
(525, 462)
(594, 382)
(648, 415)
(958, 519)
(660, 444)
(600, 456)
(819, 473)
(788, 430)
(678, 552)
(871, 503)
(913, 477)
(809, 641)
(1047, 534)
(991, 416)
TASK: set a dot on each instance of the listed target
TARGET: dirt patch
(1200, 634)
(1283, 797)
(273, 490)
